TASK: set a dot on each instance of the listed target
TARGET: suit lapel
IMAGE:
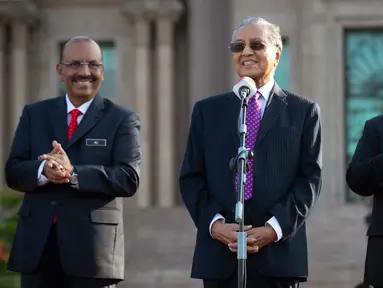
(274, 108)
(91, 117)
(229, 125)
(59, 120)
(231, 113)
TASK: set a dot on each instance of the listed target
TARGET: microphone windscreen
(245, 82)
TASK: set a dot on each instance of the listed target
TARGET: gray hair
(273, 34)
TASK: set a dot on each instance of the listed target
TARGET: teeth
(249, 62)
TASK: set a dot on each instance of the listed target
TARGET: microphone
(245, 87)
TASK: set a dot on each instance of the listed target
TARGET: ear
(59, 72)
(278, 54)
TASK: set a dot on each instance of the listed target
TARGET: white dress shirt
(265, 90)
(41, 179)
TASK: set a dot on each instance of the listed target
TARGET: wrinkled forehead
(252, 32)
(82, 51)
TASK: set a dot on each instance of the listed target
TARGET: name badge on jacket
(95, 142)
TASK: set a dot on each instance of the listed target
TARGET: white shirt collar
(265, 90)
(83, 108)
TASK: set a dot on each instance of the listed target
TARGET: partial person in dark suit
(365, 178)
(282, 185)
(74, 157)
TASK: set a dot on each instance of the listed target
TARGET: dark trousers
(373, 265)
(50, 274)
(253, 281)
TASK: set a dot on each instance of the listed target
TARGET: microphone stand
(240, 166)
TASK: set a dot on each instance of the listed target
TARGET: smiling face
(253, 54)
(81, 70)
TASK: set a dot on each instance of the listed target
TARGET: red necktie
(71, 128)
(73, 122)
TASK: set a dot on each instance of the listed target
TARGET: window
(282, 74)
(363, 84)
(108, 88)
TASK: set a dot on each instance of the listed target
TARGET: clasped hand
(257, 237)
(57, 168)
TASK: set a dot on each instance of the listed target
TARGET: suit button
(53, 203)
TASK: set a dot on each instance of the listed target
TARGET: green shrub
(9, 204)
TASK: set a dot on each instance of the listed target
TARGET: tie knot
(255, 98)
(75, 113)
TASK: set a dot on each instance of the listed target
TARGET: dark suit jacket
(365, 177)
(287, 180)
(89, 217)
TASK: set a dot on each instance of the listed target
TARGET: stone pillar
(141, 25)
(199, 35)
(315, 79)
(210, 61)
(165, 110)
(19, 81)
(2, 101)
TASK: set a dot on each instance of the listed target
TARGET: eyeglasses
(75, 65)
(237, 47)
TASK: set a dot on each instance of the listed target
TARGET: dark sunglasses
(237, 47)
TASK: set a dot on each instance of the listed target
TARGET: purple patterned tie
(253, 122)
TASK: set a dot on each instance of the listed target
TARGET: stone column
(19, 71)
(315, 79)
(210, 61)
(199, 58)
(2, 101)
(141, 24)
(166, 177)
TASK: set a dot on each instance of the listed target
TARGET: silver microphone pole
(241, 167)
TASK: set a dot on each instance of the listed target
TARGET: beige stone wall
(284, 13)
(144, 77)
(314, 29)
(103, 24)
(341, 15)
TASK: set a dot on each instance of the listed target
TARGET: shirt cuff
(216, 218)
(273, 222)
(41, 179)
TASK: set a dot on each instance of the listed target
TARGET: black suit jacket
(89, 217)
(287, 180)
(365, 171)
(365, 177)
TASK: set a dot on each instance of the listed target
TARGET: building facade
(163, 55)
